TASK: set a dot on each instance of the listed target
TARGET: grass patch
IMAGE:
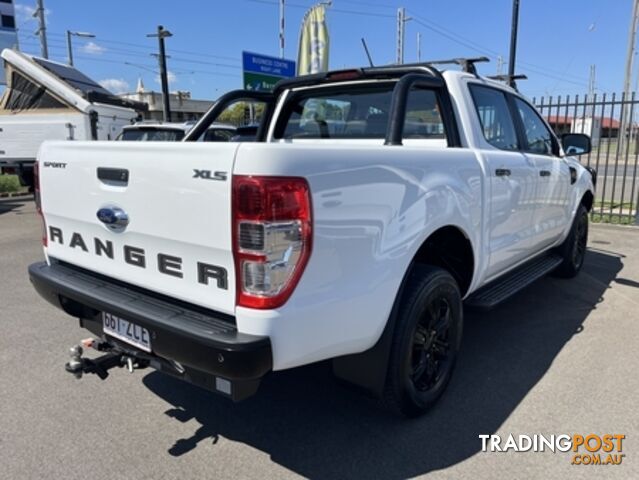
(614, 219)
(9, 184)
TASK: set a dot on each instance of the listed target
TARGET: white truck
(374, 206)
(47, 100)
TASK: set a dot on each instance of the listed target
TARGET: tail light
(38, 200)
(271, 238)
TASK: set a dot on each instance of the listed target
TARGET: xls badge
(209, 175)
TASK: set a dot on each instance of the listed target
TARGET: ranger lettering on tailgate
(136, 256)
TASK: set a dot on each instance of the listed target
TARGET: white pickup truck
(373, 206)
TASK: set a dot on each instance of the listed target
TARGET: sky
(558, 39)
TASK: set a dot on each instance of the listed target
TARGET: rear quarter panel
(373, 207)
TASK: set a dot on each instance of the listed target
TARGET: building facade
(183, 107)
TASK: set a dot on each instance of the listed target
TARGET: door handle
(544, 173)
(502, 172)
(116, 175)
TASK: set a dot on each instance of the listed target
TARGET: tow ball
(79, 365)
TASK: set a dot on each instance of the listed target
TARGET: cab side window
(494, 115)
(538, 137)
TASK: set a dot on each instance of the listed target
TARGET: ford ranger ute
(372, 207)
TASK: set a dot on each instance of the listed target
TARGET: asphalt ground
(559, 358)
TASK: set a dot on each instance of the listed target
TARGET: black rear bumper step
(207, 342)
(499, 290)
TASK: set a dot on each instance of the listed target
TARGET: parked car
(155, 132)
(358, 243)
(174, 132)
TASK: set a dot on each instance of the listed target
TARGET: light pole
(161, 35)
(70, 47)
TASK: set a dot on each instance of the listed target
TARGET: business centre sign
(262, 72)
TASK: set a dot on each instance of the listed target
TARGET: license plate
(126, 331)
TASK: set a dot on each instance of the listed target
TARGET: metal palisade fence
(610, 121)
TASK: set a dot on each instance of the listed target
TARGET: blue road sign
(262, 72)
(265, 65)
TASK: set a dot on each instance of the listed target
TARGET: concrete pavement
(560, 357)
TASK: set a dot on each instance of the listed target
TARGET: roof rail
(467, 64)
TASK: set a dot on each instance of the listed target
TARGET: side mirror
(576, 143)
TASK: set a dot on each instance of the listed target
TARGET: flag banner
(314, 42)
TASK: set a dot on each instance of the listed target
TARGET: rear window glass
(357, 112)
(360, 112)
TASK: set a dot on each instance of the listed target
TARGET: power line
(129, 53)
(120, 62)
(137, 50)
(468, 43)
(151, 49)
(336, 10)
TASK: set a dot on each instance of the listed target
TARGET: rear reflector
(38, 200)
(271, 238)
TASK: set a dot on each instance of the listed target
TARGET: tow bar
(79, 365)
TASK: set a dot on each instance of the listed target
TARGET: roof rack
(509, 79)
(506, 77)
(467, 64)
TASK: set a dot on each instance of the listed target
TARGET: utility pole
(281, 28)
(42, 29)
(513, 44)
(419, 47)
(630, 53)
(162, 34)
(401, 33)
(591, 82)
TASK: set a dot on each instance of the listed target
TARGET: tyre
(573, 250)
(426, 340)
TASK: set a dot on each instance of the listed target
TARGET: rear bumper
(204, 341)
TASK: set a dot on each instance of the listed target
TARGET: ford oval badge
(113, 217)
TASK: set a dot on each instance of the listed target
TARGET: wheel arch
(587, 200)
(450, 248)
(367, 370)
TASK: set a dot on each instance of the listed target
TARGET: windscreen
(152, 135)
(357, 112)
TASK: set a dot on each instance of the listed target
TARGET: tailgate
(178, 238)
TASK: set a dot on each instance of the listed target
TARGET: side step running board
(499, 290)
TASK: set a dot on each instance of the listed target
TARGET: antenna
(368, 54)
